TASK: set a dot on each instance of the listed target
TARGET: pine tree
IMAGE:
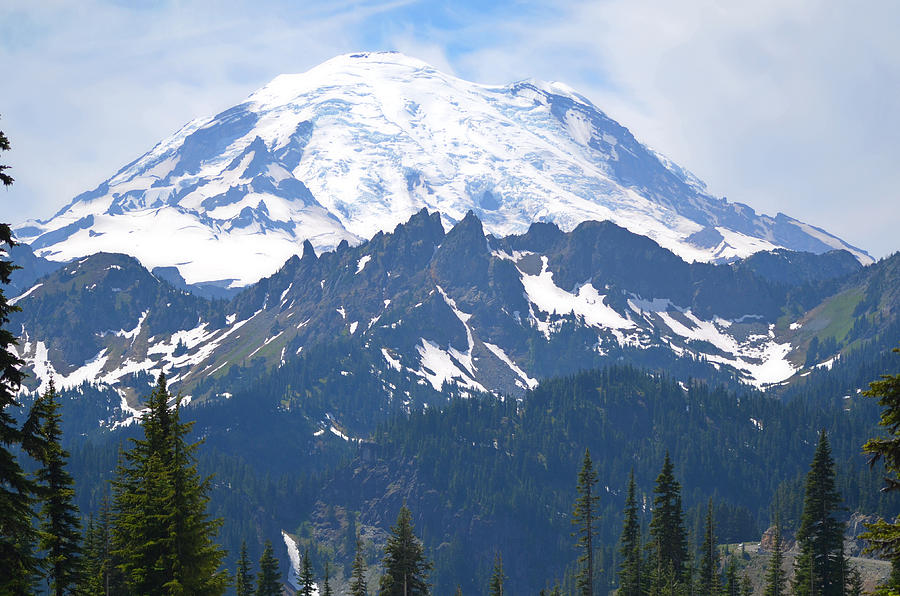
(358, 585)
(709, 557)
(818, 567)
(884, 536)
(306, 579)
(243, 578)
(584, 517)
(268, 582)
(162, 533)
(60, 526)
(776, 581)
(668, 538)
(630, 583)
(497, 577)
(405, 567)
(17, 535)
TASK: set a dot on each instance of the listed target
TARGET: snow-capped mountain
(361, 142)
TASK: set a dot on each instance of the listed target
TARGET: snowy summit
(359, 143)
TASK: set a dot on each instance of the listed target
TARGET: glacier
(360, 143)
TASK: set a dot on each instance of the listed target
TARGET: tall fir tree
(198, 568)
(668, 537)
(243, 577)
(495, 587)
(776, 580)
(268, 582)
(17, 534)
(60, 524)
(162, 532)
(884, 536)
(630, 572)
(307, 584)
(405, 566)
(819, 566)
(584, 517)
(708, 577)
(358, 584)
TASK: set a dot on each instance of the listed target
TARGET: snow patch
(361, 264)
(392, 362)
(437, 366)
(587, 302)
(499, 353)
(25, 294)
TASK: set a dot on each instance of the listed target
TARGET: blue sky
(787, 105)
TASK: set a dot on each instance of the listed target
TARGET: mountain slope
(362, 142)
(458, 307)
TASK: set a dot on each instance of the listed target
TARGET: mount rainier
(361, 142)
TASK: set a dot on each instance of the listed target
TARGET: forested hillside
(484, 474)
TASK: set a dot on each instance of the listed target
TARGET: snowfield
(359, 143)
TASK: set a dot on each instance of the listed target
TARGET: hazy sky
(786, 105)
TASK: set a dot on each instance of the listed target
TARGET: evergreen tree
(243, 578)
(884, 536)
(584, 517)
(732, 586)
(306, 578)
(358, 585)
(668, 538)
(776, 581)
(90, 564)
(5, 179)
(162, 533)
(405, 567)
(268, 582)
(60, 526)
(497, 577)
(709, 557)
(630, 571)
(98, 571)
(819, 566)
(326, 585)
(17, 535)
